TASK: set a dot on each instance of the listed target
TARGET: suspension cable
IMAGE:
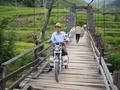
(90, 2)
(16, 5)
(34, 16)
(58, 10)
(98, 15)
(95, 13)
(104, 17)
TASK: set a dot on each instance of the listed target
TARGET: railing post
(102, 52)
(36, 42)
(3, 72)
(100, 62)
(36, 53)
(116, 78)
(2, 85)
(101, 55)
(2, 75)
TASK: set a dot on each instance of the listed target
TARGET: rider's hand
(63, 45)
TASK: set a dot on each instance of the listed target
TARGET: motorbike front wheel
(57, 68)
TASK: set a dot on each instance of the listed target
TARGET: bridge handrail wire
(102, 66)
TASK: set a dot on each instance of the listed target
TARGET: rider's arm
(53, 38)
(66, 37)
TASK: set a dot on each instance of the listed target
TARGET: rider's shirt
(58, 37)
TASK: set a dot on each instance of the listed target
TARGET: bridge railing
(34, 64)
(102, 65)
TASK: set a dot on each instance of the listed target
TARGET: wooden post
(90, 20)
(99, 43)
(1, 71)
(36, 53)
(102, 51)
(36, 42)
(2, 86)
(116, 78)
(101, 55)
(72, 18)
(2, 75)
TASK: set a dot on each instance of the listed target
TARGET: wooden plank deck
(82, 73)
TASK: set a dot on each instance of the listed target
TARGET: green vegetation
(110, 29)
(23, 24)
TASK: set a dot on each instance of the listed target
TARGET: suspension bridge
(82, 73)
(87, 68)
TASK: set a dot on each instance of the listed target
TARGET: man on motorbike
(59, 37)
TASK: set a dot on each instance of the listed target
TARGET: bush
(112, 33)
(10, 46)
(112, 40)
(114, 59)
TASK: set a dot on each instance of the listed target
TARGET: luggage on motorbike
(65, 60)
(51, 61)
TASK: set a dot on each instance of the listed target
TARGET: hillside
(77, 2)
(114, 6)
(39, 3)
(110, 5)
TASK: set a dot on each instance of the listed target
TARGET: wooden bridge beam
(90, 20)
(71, 19)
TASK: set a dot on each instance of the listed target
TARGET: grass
(22, 46)
(112, 40)
(112, 33)
(10, 11)
(19, 35)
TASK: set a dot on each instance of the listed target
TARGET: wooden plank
(74, 75)
(70, 80)
(53, 82)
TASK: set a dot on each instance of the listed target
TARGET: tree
(47, 19)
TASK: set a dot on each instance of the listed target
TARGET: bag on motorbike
(51, 61)
(66, 59)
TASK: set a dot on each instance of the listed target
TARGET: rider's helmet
(58, 25)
